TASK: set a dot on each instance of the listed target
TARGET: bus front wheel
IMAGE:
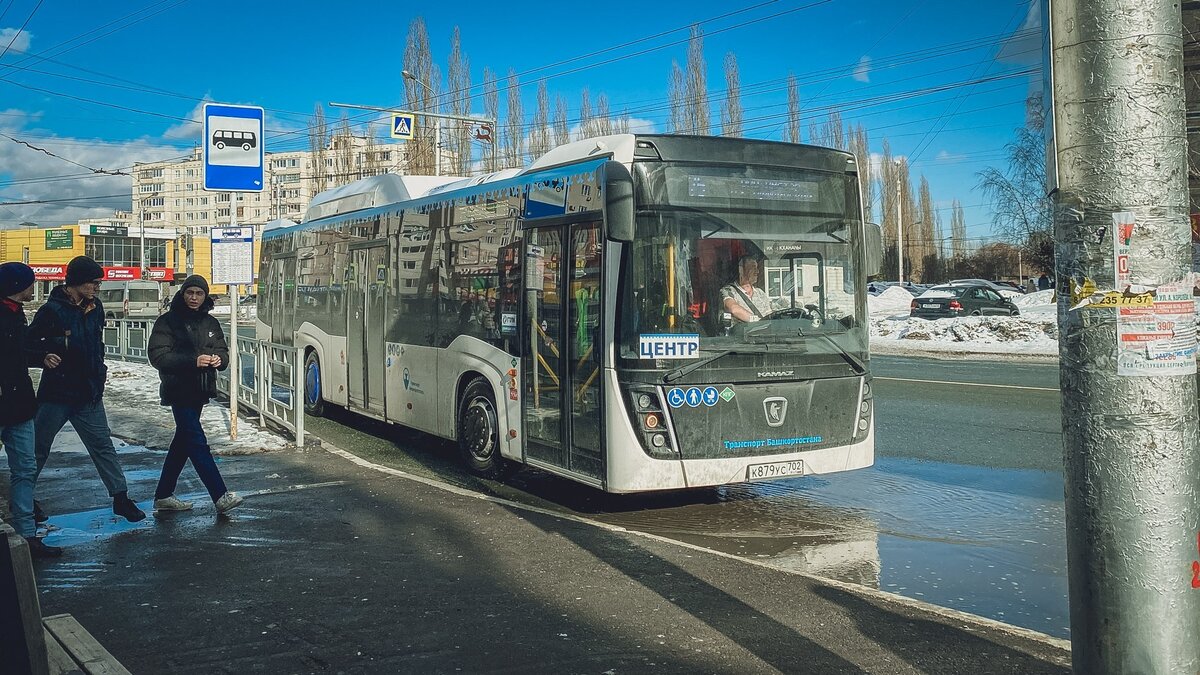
(479, 430)
(314, 405)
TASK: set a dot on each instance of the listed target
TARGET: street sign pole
(235, 376)
(233, 163)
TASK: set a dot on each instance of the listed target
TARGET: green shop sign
(59, 239)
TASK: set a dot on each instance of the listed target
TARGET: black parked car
(942, 302)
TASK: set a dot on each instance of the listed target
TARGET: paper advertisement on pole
(1155, 339)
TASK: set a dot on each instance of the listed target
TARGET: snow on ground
(134, 413)
(1033, 334)
(894, 300)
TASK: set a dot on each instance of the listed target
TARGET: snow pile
(973, 334)
(1045, 297)
(893, 300)
(134, 413)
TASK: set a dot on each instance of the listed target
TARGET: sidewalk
(333, 565)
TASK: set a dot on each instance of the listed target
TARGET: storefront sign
(122, 273)
(109, 231)
(59, 239)
(49, 272)
(160, 274)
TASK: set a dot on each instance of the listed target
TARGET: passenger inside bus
(742, 298)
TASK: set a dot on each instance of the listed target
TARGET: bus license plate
(774, 470)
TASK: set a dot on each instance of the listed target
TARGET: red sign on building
(122, 273)
(49, 272)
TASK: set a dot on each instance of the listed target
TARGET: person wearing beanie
(18, 404)
(67, 334)
(187, 347)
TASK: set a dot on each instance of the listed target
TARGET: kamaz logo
(776, 373)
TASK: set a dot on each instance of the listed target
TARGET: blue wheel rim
(312, 381)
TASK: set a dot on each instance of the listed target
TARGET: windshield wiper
(857, 365)
(691, 367)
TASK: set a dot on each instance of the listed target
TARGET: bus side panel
(411, 386)
(630, 469)
(331, 350)
(470, 354)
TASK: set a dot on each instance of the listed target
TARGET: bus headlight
(644, 402)
(864, 410)
(658, 440)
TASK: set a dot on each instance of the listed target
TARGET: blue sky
(124, 80)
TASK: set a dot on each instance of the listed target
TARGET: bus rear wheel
(479, 430)
(314, 405)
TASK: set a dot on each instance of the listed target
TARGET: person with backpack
(187, 347)
(18, 404)
(67, 336)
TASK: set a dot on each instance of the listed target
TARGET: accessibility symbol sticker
(710, 396)
(675, 397)
(694, 396)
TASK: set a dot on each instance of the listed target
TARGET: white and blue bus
(576, 315)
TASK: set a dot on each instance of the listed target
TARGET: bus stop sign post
(233, 162)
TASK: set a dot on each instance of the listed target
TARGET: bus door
(364, 329)
(561, 353)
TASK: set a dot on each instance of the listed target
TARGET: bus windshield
(747, 258)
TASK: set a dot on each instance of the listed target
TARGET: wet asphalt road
(962, 509)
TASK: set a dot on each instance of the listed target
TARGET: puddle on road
(985, 541)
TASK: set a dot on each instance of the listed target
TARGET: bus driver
(742, 299)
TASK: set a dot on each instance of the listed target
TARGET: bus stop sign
(233, 148)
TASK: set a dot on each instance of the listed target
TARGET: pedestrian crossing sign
(402, 126)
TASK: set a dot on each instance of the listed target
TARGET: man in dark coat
(67, 335)
(187, 347)
(18, 404)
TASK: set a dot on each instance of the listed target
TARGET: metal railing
(272, 376)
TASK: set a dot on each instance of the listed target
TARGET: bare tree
(792, 133)
(585, 115)
(539, 138)
(622, 124)
(344, 170)
(603, 122)
(318, 140)
(562, 128)
(697, 85)
(958, 231)
(861, 147)
(927, 245)
(418, 95)
(731, 107)
(514, 142)
(1021, 209)
(371, 164)
(458, 74)
(677, 99)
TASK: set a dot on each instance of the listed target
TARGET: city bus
(573, 315)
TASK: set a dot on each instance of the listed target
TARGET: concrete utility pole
(1129, 401)
(899, 230)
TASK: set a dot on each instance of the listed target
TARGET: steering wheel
(810, 312)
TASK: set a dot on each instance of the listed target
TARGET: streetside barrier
(272, 376)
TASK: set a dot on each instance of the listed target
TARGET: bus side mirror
(873, 248)
(618, 201)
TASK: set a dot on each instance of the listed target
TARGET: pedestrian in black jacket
(187, 347)
(18, 404)
(67, 335)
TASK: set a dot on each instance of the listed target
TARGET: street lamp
(437, 125)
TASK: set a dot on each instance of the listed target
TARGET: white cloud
(21, 165)
(877, 162)
(21, 44)
(947, 156)
(193, 128)
(862, 72)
